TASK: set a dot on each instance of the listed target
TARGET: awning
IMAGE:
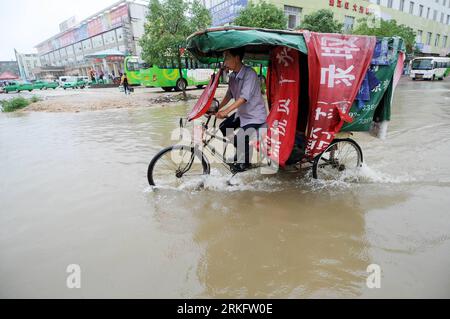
(5, 76)
(104, 54)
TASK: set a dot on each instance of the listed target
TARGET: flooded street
(73, 190)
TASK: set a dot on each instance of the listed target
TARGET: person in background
(124, 82)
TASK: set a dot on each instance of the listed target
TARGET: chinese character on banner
(337, 66)
(284, 82)
(336, 76)
(339, 47)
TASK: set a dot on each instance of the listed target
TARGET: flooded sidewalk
(98, 99)
(73, 191)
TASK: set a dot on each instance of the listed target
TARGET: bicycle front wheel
(177, 165)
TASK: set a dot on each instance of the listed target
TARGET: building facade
(28, 64)
(429, 18)
(116, 28)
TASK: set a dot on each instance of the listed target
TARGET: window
(389, 4)
(420, 10)
(421, 64)
(348, 23)
(402, 5)
(133, 65)
(119, 34)
(97, 41)
(411, 7)
(428, 38)
(293, 15)
(436, 40)
(448, 18)
(78, 48)
(378, 2)
(110, 37)
(444, 41)
(70, 51)
(87, 45)
(428, 13)
(419, 36)
(442, 17)
(78, 51)
(434, 15)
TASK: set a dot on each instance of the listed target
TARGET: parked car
(41, 85)
(52, 85)
(78, 84)
(67, 78)
(18, 86)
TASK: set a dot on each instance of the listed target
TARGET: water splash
(253, 181)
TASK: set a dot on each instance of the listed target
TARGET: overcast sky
(26, 23)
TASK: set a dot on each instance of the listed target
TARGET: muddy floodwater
(73, 190)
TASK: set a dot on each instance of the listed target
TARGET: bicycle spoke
(339, 158)
(175, 167)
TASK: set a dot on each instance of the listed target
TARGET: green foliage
(262, 15)
(169, 23)
(35, 99)
(321, 21)
(383, 28)
(14, 104)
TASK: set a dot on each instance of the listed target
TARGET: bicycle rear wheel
(341, 157)
(177, 165)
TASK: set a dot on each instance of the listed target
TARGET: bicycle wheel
(341, 156)
(177, 165)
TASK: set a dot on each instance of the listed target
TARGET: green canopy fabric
(208, 46)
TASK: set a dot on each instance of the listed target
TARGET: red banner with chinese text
(337, 66)
(284, 95)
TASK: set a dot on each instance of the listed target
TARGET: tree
(261, 15)
(169, 23)
(386, 28)
(321, 21)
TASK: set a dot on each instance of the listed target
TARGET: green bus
(132, 69)
(168, 78)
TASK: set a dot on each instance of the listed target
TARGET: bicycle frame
(207, 138)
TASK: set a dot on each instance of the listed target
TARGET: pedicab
(320, 89)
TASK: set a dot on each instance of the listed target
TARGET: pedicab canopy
(318, 83)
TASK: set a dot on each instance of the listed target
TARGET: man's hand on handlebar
(222, 114)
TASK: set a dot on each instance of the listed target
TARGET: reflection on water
(73, 190)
